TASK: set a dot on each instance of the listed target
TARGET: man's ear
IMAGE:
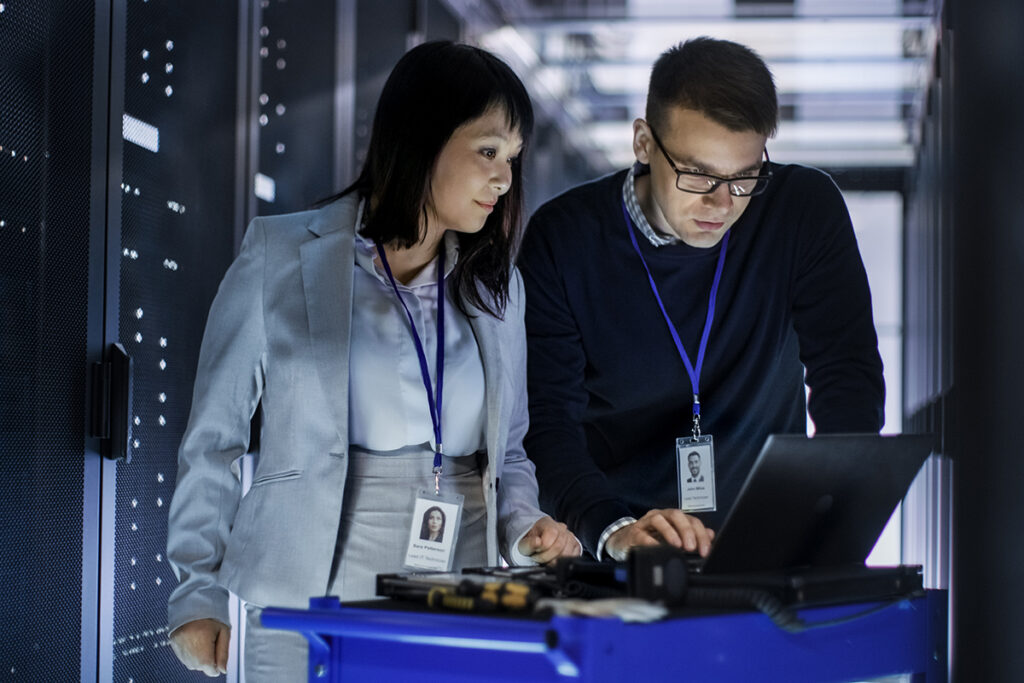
(642, 141)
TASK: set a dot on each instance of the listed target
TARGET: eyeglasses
(706, 183)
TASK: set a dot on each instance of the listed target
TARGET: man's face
(694, 143)
(693, 461)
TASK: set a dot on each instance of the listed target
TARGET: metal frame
(95, 337)
(344, 92)
(110, 228)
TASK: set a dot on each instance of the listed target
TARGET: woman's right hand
(547, 540)
(202, 645)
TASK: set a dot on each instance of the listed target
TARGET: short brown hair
(727, 82)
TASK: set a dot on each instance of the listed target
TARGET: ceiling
(851, 74)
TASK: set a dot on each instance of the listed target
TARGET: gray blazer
(278, 333)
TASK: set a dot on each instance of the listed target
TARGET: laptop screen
(816, 502)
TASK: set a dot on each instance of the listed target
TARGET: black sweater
(608, 392)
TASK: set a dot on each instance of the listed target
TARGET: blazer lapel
(490, 350)
(327, 264)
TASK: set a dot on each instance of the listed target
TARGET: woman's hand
(547, 540)
(202, 645)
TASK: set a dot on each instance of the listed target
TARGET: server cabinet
(386, 31)
(52, 139)
(181, 82)
(300, 65)
(136, 140)
(133, 130)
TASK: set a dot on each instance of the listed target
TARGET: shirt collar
(636, 214)
(366, 257)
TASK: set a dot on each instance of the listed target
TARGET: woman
(329, 322)
(432, 528)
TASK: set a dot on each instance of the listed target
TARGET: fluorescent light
(510, 43)
(264, 187)
(848, 157)
(689, 8)
(643, 40)
(839, 133)
(840, 157)
(140, 133)
(808, 77)
(828, 143)
(792, 77)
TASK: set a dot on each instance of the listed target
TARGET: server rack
(136, 141)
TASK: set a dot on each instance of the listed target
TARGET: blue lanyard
(433, 399)
(693, 371)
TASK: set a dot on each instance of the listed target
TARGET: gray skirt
(373, 535)
(377, 515)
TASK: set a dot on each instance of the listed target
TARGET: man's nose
(719, 197)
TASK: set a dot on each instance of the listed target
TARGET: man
(646, 341)
(693, 462)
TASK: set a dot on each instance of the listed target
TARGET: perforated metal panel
(177, 239)
(294, 83)
(386, 30)
(46, 85)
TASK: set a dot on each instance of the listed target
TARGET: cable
(782, 616)
(853, 617)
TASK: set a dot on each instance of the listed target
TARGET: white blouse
(388, 407)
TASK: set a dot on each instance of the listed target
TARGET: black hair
(425, 530)
(727, 82)
(435, 88)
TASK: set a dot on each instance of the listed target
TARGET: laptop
(804, 522)
(801, 528)
(819, 501)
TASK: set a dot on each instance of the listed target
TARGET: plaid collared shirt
(636, 214)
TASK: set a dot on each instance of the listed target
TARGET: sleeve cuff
(516, 558)
(206, 604)
(606, 534)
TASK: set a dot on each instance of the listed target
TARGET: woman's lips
(709, 225)
(489, 207)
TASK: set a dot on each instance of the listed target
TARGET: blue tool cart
(396, 641)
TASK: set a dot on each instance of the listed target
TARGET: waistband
(411, 461)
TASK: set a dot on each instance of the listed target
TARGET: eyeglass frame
(717, 180)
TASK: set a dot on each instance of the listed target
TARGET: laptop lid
(816, 502)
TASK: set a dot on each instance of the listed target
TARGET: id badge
(434, 530)
(695, 469)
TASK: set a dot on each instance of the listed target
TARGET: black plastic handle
(112, 404)
(118, 446)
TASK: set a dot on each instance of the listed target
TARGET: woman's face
(472, 171)
(434, 521)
